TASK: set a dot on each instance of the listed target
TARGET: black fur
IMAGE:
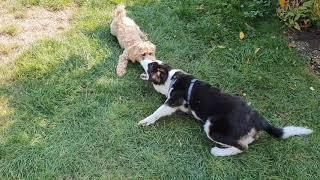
(231, 118)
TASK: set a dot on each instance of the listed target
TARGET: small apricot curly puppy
(131, 39)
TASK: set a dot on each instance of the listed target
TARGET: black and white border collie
(227, 120)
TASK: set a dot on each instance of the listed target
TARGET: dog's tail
(120, 11)
(285, 132)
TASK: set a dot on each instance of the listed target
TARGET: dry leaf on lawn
(292, 45)
(257, 50)
(241, 35)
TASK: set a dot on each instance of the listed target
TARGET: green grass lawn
(65, 114)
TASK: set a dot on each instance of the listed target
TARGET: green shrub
(298, 15)
(316, 9)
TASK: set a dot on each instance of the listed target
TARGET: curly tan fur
(131, 39)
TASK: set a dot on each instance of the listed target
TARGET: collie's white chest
(161, 89)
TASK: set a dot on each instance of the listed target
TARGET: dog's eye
(150, 54)
(144, 54)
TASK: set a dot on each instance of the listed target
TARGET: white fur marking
(225, 151)
(248, 139)
(206, 128)
(295, 131)
(162, 111)
(164, 88)
(195, 115)
(183, 108)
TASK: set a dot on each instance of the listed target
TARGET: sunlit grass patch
(5, 117)
(11, 30)
(7, 49)
(20, 14)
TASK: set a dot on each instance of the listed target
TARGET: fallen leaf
(220, 46)
(283, 3)
(297, 26)
(257, 50)
(282, 114)
(241, 35)
(292, 45)
(311, 88)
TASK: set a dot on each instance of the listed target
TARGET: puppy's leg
(122, 63)
(113, 28)
(163, 110)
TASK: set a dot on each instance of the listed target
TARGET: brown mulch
(307, 43)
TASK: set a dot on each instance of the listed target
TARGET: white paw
(225, 151)
(146, 122)
(216, 151)
(144, 76)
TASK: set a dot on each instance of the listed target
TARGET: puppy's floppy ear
(133, 53)
(160, 74)
(152, 47)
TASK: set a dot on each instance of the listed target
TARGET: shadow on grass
(69, 110)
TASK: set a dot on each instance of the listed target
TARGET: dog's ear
(133, 53)
(152, 47)
(159, 75)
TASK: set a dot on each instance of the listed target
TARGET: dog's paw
(225, 151)
(146, 122)
(144, 76)
(217, 151)
(121, 72)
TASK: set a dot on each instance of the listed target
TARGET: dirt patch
(308, 44)
(33, 24)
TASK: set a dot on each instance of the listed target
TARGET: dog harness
(174, 79)
(190, 88)
(193, 81)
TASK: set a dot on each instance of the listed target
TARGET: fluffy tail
(120, 11)
(294, 131)
(286, 131)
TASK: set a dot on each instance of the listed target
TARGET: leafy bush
(298, 14)
(316, 8)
